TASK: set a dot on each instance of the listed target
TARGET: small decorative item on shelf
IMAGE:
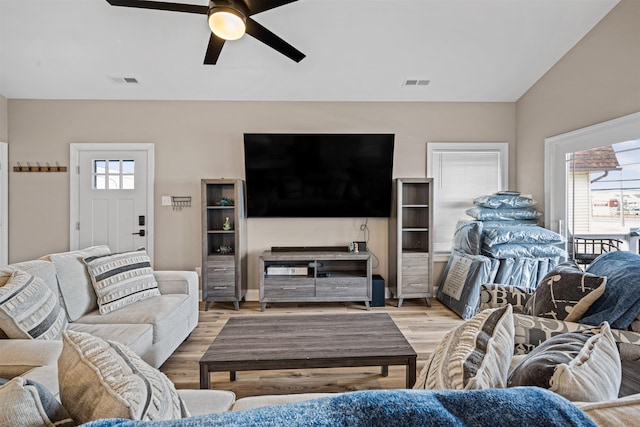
(353, 247)
(227, 224)
(225, 201)
(224, 249)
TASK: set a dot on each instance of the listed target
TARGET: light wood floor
(422, 326)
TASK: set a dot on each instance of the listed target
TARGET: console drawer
(289, 287)
(351, 287)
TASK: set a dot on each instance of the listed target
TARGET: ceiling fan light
(227, 23)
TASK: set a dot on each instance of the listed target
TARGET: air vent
(124, 80)
(416, 82)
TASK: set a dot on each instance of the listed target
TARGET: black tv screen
(318, 175)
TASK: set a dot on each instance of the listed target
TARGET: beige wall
(598, 80)
(195, 140)
(4, 126)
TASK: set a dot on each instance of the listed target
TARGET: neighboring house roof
(596, 159)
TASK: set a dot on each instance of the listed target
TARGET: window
(603, 189)
(574, 202)
(113, 174)
(461, 172)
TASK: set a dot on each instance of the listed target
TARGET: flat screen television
(318, 175)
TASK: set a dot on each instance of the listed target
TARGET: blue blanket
(519, 406)
(620, 303)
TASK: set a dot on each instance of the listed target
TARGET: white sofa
(153, 328)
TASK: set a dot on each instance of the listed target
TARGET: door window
(113, 174)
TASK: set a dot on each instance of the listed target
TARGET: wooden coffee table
(266, 342)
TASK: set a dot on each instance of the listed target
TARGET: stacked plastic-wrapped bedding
(503, 244)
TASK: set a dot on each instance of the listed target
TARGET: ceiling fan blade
(213, 50)
(257, 6)
(267, 37)
(160, 5)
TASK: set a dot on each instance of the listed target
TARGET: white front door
(114, 196)
(4, 204)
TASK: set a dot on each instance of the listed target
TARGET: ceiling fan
(228, 20)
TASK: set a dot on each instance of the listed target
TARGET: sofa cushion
(138, 338)
(29, 310)
(45, 270)
(580, 366)
(202, 402)
(104, 379)
(251, 402)
(475, 355)
(74, 281)
(162, 312)
(565, 293)
(31, 359)
(26, 403)
(121, 279)
(613, 413)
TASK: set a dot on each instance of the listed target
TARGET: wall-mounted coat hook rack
(39, 168)
(179, 202)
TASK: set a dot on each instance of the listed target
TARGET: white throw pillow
(29, 310)
(104, 379)
(25, 403)
(121, 279)
(581, 366)
(475, 355)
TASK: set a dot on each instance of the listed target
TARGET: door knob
(141, 233)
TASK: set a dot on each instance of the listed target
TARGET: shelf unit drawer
(221, 271)
(415, 283)
(351, 287)
(415, 264)
(219, 290)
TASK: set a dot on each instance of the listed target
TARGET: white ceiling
(357, 50)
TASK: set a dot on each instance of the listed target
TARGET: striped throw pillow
(105, 379)
(121, 279)
(29, 310)
(476, 355)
